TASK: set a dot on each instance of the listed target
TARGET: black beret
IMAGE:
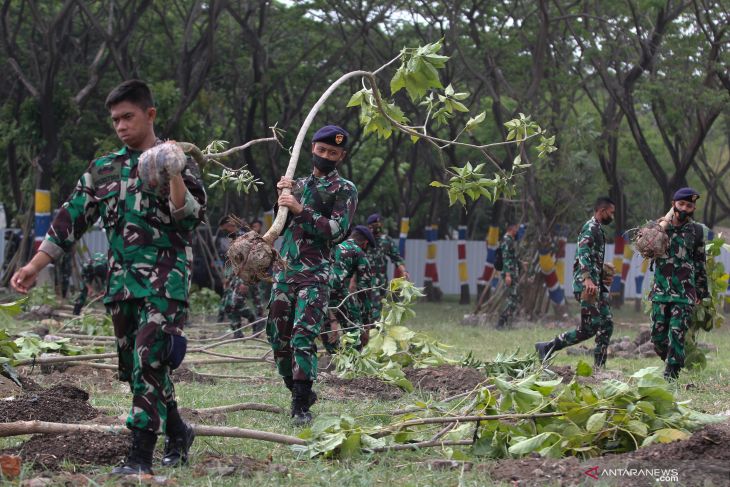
(365, 232)
(331, 134)
(374, 218)
(686, 194)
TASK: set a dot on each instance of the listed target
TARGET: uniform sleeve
(193, 210)
(583, 252)
(365, 280)
(700, 262)
(75, 216)
(337, 226)
(393, 253)
(509, 257)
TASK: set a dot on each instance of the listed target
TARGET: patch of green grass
(708, 390)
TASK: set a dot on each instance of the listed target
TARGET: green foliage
(707, 315)
(93, 324)
(39, 296)
(203, 302)
(588, 420)
(241, 179)
(393, 346)
(13, 308)
(30, 345)
(418, 70)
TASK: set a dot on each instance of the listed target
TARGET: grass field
(708, 390)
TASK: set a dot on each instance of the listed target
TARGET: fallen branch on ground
(18, 428)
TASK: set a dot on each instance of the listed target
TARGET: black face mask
(324, 165)
(376, 230)
(606, 220)
(682, 215)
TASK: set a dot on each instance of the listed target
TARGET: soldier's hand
(508, 280)
(591, 288)
(289, 201)
(334, 335)
(24, 278)
(284, 182)
(352, 287)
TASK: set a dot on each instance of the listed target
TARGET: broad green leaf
(583, 369)
(595, 422)
(529, 445)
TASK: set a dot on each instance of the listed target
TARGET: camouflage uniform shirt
(329, 206)
(681, 276)
(348, 260)
(378, 256)
(150, 251)
(589, 255)
(510, 264)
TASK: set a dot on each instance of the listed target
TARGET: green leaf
(595, 422)
(665, 435)
(583, 369)
(530, 445)
(350, 448)
(398, 82)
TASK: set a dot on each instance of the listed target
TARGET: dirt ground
(361, 387)
(224, 465)
(60, 403)
(446, 380)
(598, 376)
(183, 374)
(81, 376)
(700, 460)
(52, 452)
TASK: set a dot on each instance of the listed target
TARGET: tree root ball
(651, 241)
(252, 258)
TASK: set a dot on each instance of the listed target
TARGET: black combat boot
(502, 323)
(77, 309)
(301, 400)
(599, 361)
(546, 349)
(289, 382)
(178, 439)
(139, 459)
(671, 372)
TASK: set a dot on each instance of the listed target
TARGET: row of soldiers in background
(358, 283)
(236, 294)
(679, 284)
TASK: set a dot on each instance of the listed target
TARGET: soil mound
(599, 375)
(183, 374)
(700, 460)
(445, 379)
(49, 452)
(359, 388)
(82, 376)
(61, 403)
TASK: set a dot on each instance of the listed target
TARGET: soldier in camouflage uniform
(349, 260)
(149, 212)
(93, 279)
(510, 274)
(321, 207)
(234, 302)
(260, 292)
(378, 256)
(589, 288)
(680, 282)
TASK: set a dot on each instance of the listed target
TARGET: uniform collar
(327, 179)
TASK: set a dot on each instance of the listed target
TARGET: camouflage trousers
(669, 325)
(235, 309)
(595, 319)
(296, 315)
(81, 298)
(349, 315)
(142, 328)
(513, 301)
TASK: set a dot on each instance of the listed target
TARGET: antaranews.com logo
(657, 474)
